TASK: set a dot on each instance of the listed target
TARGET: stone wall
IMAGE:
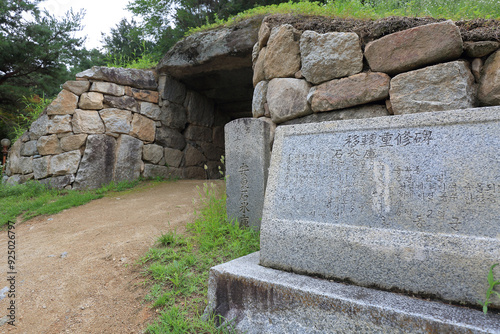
(306, 76)
(116, 124)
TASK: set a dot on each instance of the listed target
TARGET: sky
(101, 16)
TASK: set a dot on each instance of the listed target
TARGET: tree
(36, 50)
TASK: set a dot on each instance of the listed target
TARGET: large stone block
(247, 162)
(143, 94)
(480, 49)
(128, 158)
(366, 111)
(252, 299)
(40, 127)
(76, 87)
(150, 110)
(26, 164)
(152, 153)
(144, 79)
(259, 99)
(445, 86)
(91, 101)
(48, 145)
(172, 138)
(98, 161)
(151, 171)
(330, 56)
(287, 99)
(87, 121)
(172, 90)
(414, 48)
(403, 202)
(282, 58)
(198, 133)
(59, 124)
(489, 83)
(107, 88)
(116, 120)
(64, 104)
(29, 148)
(173, 116)
(58, 182)
(121, 102)
(41, 167)
(65, 163)
(173, 157)
(143, 128)
(193, 156)
(258, 69)
(200, 110)
(73, 142)
(348, 92)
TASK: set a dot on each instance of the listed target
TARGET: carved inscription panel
(433, 179)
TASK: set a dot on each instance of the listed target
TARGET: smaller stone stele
(414, 48)
(247, 161)
(330, 56)
(287, 99)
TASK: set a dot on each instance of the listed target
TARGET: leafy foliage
(490, 292)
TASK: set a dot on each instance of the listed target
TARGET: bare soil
(77, 271)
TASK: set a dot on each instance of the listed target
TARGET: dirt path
(74, 272)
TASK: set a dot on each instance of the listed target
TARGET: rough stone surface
(116, 120)
(64, 163)
(76, 87)
(218, 136)
(121, 102)
(152, 153)
(170, 138)
(17, 179)
(246, 169)
(253, 299)
(343, 93)
(174, 116)
(58, 182)
(91, 101)
(150, 110)
(489, 83)
(259, 99)
(41, 167)
(40, 127)
(211, 151)
(143, 94)
(96, 166)
(143, 79)
(143, 128)
(200, 110)
(445, 86)
(29, 148)
(64, 104)
(193, 156)
(287, 99)
(403, 197)
(48, 145)
(366, 111)
(73, 142)
(59, 124)
(87, 121)
(198, 133)
(414, 48)
(330, 56)
(263, 35)
(107, 88)
(476, 68)
(26, 164)
(173, 157)
(128, 158)
(480, 49)
(283, 52)
(258, 69)
(193, 172)
(151, 171)
(172, 90)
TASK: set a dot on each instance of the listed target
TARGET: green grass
(32, 199)
(372, 9)
(178, 267)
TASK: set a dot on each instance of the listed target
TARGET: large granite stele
(410, 203)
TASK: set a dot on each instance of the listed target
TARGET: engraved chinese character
(386, 139)
(455, 224)
(419, 221)
(370, 154)
(404, 138)
(244, 207)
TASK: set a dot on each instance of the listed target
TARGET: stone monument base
(256, 299)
